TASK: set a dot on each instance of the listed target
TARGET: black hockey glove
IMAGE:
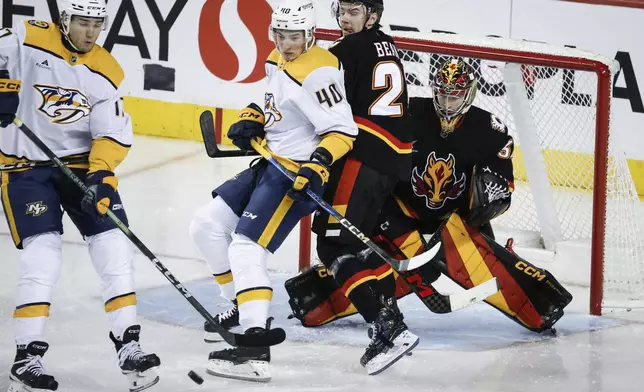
(313, 174)
(103, 184)
(9, 100)
(249, 125)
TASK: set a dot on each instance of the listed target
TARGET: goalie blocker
(529, 295)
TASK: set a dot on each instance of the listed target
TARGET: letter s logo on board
(233, 38)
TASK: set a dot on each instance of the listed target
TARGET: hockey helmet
(371, 7)
(88, 8)
(294, 15)
(454, 86)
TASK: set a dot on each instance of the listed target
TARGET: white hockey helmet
(88, 8)
(294, 15)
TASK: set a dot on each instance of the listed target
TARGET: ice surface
(473, 350)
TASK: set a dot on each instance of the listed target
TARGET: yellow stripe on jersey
(337, 144)
(224, 278)
(47, 37)
(32, 310)
(106, 154)
(300, 68)
(275, 221)
(4, 190)
(254, 294)
(120, 302)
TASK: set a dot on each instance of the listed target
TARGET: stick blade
(271, 337)
(476, 294)
(207, 125)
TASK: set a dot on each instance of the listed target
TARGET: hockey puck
(195, 377)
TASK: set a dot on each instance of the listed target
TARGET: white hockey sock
(40, 262)
(112, 255)
(211, 229)
(252, 283)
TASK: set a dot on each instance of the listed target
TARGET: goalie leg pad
(529, 295)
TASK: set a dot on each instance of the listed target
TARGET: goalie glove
(103, 185)
(249, 125)
(9, 100)
(490, 196)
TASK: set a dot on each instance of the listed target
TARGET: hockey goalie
(461, 179)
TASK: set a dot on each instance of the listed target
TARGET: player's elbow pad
(334, 146)
(490, 196)
(106, 154)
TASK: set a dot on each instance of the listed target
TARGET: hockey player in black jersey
(462, 176)
(360, 182)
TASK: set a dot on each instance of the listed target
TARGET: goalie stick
(207, 125)
(270, 338)
(435, 301)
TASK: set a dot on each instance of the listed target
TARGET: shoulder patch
(39, 23)
(497, 124)
(315, 58)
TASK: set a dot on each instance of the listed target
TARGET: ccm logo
(10, 86)
(247, 214)
(530, 271)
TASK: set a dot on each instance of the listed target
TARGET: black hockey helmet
(371, 6)
(454, 87)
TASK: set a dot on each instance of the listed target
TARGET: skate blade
(139, 381)
(403, 344)
(256, 371)
(212, 337)
(17, 386)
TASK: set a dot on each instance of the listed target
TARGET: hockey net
(572, 183)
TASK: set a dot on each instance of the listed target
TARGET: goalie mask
(454, 87)
(293, 16)
(369, 6)
(81, 8)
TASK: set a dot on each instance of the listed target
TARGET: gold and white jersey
(69, 100)
(305, 100)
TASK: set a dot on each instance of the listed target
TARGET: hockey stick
(431, 298)
(29, 165)
(207, 125)
(270, 338)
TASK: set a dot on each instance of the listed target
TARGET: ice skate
(241, 363)
(228, 319)
(137, 366)
(27, 373)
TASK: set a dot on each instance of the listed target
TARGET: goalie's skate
(241, 363)
(228, 319)
(137, 366)
(390, 340)
(27, 373)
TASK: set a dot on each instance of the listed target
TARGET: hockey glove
(9, 100)
(103, 185)
(249, 125)
(313, 174)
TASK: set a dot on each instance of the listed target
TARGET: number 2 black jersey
(376, 89)
(440, 179)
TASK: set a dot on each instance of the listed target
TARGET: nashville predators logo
(64, 106)
(270, 110)
(438, 183)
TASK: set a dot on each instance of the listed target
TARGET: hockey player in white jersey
(66, 89)
(306, 122)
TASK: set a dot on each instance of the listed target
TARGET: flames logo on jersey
(438, 183)
(63, 105)
(270, 111)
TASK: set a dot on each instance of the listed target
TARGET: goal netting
(574, 194)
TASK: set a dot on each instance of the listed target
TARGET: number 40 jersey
(377, 91)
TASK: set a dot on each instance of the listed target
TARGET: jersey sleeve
(500, 161)
(322, 100)
(112, 134)
(9, 49)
